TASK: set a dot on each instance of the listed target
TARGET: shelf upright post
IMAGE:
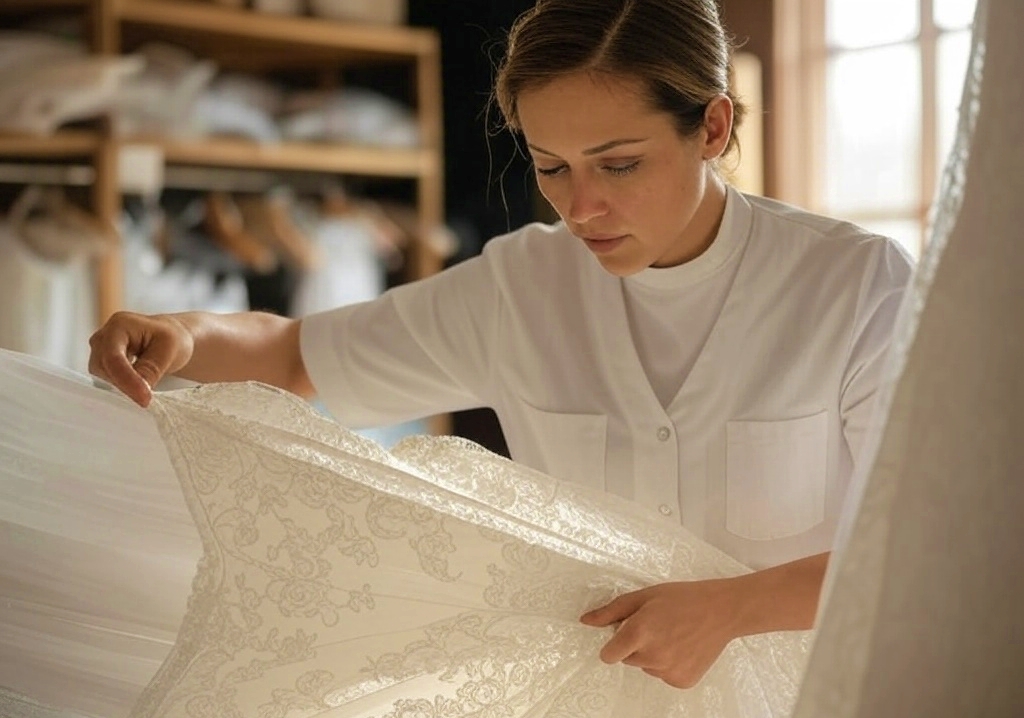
(106, 197)
(430, 183)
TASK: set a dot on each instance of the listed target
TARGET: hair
(678, 49)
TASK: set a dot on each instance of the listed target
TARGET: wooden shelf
(23, 5)
(63, 144)
(281, 47)
(315, 157)
(214, 20)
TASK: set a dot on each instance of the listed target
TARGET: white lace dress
(336, 579)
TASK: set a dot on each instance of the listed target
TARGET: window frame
(801, 57)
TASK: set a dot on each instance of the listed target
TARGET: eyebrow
(593, 150)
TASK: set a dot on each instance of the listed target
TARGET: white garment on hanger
(47, 308)
(352, 271)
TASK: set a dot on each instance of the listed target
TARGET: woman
(707, 354)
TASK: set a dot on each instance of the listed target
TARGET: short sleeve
(420, 349)
(882, 289)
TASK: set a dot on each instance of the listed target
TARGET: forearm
(246, 346)
(783, 598)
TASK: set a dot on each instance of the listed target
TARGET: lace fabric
(334, 578)
(435, 580)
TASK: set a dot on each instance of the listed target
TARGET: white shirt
(672, 310)
(754, 452)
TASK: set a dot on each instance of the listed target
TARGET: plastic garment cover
(925, 589)
(338, 579)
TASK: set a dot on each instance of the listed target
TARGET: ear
(717, 126)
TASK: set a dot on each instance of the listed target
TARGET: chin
(621, 267)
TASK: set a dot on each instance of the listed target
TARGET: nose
(586, 201)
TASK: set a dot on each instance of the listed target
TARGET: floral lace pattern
(436, 580)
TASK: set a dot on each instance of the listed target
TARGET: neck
(703, 227)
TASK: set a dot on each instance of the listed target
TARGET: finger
(119, 371)
(654, 672)
(639, 660)
(680, 680)
(618, 610)
(155, 359)
(625, 642)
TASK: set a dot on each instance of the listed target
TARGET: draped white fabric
(337, 579)
(925, 608)
(97, 547)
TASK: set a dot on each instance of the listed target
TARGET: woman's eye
(550, 171)
(620, 170)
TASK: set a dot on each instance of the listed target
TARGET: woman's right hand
(134, 351)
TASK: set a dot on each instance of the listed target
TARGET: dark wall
(488, 185)
(487, 182)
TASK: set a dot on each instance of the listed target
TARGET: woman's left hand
(672, 631)
(676, 631)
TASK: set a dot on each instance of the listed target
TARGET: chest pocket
(776, 475)
(570, 447)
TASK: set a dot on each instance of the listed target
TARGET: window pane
(905, 231)
(954, 13)
(862, 23)
(954, 50)
(872, 133)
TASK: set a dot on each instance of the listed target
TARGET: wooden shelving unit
(244, 40)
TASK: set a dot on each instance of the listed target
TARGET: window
(881, 83)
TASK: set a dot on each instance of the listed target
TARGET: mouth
(600, 244)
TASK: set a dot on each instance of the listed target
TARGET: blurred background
(294, 155)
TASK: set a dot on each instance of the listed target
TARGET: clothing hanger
(223, 221)
(440, 239)
(269, 218)
(56, 229)
(390, 238)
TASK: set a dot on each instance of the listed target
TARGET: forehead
(587, 109)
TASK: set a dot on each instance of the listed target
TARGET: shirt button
(665, 510)
(664, 433)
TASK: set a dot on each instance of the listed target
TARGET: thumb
(618, 610)
(155, 360)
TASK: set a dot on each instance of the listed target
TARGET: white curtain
(924, 615)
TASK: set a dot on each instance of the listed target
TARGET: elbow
(299, 382)
(296, 379)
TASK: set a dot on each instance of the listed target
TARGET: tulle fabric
(97, 546)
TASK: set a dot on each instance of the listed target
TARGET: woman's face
(619, 174)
